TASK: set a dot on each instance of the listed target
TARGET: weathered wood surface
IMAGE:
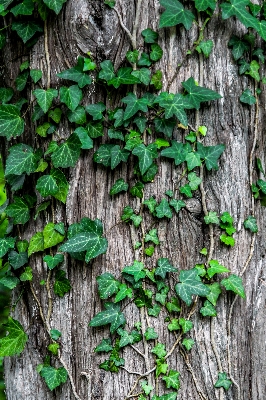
(90, 26)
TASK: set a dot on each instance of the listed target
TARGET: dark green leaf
(9, 282)
(21, 80)
(26, 30)
(149, 35)
(52, 376)
(163, 209)
(15, 341)
(107, 70)
(239, 47)
(143, 75)
(152, 237)
(18, 210)
(112, 315)
(77, 74)
(36, 75)
(11, 123)
(175, 14)
(137, 190)
(190, 284)
(144, 60)
(203, 5)
(214, 293)
(78, 115)
(247, 97)
(151, 204)
(215, 268)
(55, 5)
(208, 310)
(235, 284)
(104, 346)
(174, 105)
(67, 154)
(205, 47)
(163, 267)
(123, 77)
(17, 260)
(46, 185)
(45, 98)
(178, 151)
(119, 186)
(96, 110)
(185, 324)
(132, 56)
(156, 52)
(223, 381)
(85, 140)
(172, 379)
(123, 292)
(165, 125)
(55, 334)
(134, 105)
(238, 8)
(107, 285)
(71, 96)
(62, 184)
(156, 80)
(197, 94)
(62, 284)
(136, 270)
(52, 262)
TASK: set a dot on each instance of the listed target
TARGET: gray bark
(90, 26)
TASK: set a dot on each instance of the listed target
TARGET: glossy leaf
(15, 341)
(175, 14)
(107, 285)
(71, 96)
(54, 377)
(53, 261)
(197, 94)
(190, 284)
(62, 284)
(111, 315)
(6, 243)
(67, 154)
(119, 186)
(26, 30)
(216, 268)
(55, 5)
(45, 98)
(11, 123)
(235, 284)
(145, 154)
(163, 267)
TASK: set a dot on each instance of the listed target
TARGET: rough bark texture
(89, 25)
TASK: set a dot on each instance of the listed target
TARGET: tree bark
(89, 26)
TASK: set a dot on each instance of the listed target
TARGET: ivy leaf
(62, 284)
(55, 334)
(163, 267)
(197, 94)
(175, 14)
(117, 155)
(144, 60)
(76, 74)
(6, 94)
(85, 140)
(152, 237)
(11, 123)
(151, 204)
(235, 284)
(52, 262)
(216, 268)
(149, 35)
(24, 8)
(71, 96)
(211, 218)
(214, 293)
(123, 292)
(150, 334)
(185, 324)
(162, 368)
(112, 315)
(194, 180)
(251, 224)
(54, 377)
(96, 110)
(15, 341)
(163, 209)
(6, 243)
(190, 284)
(156, 80)
(165, 125)
(21, 160)
(239, 47)
(238, 8)
(89, 239)
(18, 210)
(173, 305)
(17, 260)
(193, 160)
(26, 30)
(21, 80)
(128, 338)
(156, 52)
(145, 155)
(174, 325)
(137, 190)
(177, 204)
(45, 98)
(113, 134)
(134, 105)
(136, 270)
(107, 70)
(174, 105)
(123, 77)
(36, 75)
(203, 5)
(228, 240)
(36, 243)
(67, 154)
(205, 47)
(26, 275)
(147, 388)
(143, 75)
(78, 116)
(178, 151)
(223, 381)
(247, 97)
(208, 310)
(254, 70)
(107, 285)
(172, 379)
(62, 184)
(55, 5)
(159, 350)
(9, 281)
(119, 186)
(188, 343)
(104, 346)
(51, 236)
(95, 130)
(46, 185)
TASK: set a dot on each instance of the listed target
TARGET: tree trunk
(90, 26)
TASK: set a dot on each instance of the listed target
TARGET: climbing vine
(139, 129)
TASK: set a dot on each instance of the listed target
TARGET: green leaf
(238, 8)
(52, 376)
(76, 74)
(26, 275)
(144, 60)
(150, 334)
(228, 240)
(251, 224)
(17, 260)
(89, 238)
(205, 47)
(36, 243)
(123, 77)
(11, 123)
(173, 305)
(151, 204)
(50, 236)
(71, 96)
(152, 237)
(149, 251)
(113, 134)
(190, 284)
(36, 75)
(235, 284)
(208, 310)
(104, 346)
(163, 209)
(149, 35)
(197, 94)
(169, 396)
(136, 270)
(112, 315)
(145, 155)
(18, 210)
(177, 204)
(119, 186)
(117, 155)
(178, 151)
(62, 184)
(203, 5)
(143, 75)
(78, 116)
(15, 341)
(55, 334)
(137, 190)
(21, 160)
(24, 8)
(107, 70)
(161, 368)
(56, 6)
(22, 246)
(174, 325)
(26, 30)
(128, 338)
(175, 14)
(212, 218)
(185, 324)
(21, 80)
(53, 348)
(9, 281)
(165, 125)
(188, 343)
(62, 284)
(85, 140)
(214, 293)
(223, 381)
(150, 174)
(216, 268)
(123, 292)
(132, 56)
(46, 185)
(147, 388)
(134, 105)
(95, 130)
(172, 379)
(67, 154)
(254, 70)
(194, 180)
(174, 105)
(247, 97)
(107, 285)
(156, 52)
(6, 244)
(96, 110)
(52, 262)
(45, 98)
(154, 311)
(6, 94)
(239, 47)
(159, 350)
(156, 80)
(186, 190)
(55, 114)
(163, 267)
